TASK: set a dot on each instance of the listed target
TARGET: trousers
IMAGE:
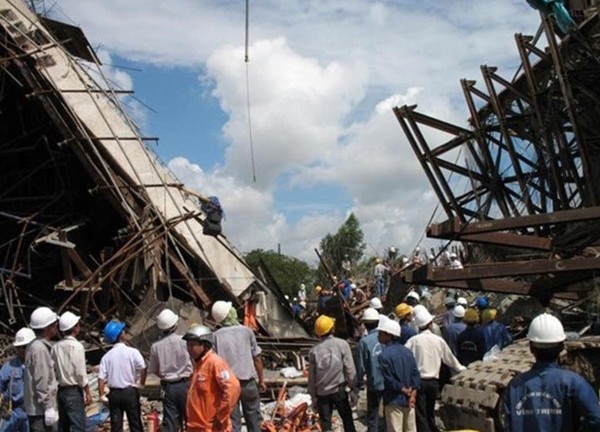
(174, 400)
(339, 401)
(71, 409)
(250, 404)
(125, 401)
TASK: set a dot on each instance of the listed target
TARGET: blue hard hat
(482, 302)
(112, 330)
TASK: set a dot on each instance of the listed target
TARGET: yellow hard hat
(402, 310)
(318, 289)
(488, 315)
(471, 316)
(323, 325)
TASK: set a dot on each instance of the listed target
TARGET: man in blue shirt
(401, 378)
(470, 344)
(548, 398)
(369, 349)
(494, 332)
(11, 385)
(455, 328)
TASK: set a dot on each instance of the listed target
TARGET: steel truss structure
(531, 168)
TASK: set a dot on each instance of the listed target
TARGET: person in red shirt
(214, 390)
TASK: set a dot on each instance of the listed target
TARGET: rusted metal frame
(460, 170)
(566, 153)
(438, 124)
(505, 239)
(400, 114)
(519, 268)
(529, 75)
(66, 263)
(184, 269)
(122, 257)
(501, 117)
(472, 194)
(435, 168)
(452, 144)
(479, 133)
(510, 87)
(452, 226)
(562, 76)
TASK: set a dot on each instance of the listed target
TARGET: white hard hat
(353, 286)
(458, 311)
(166, 319)
(67, 321)
(422, 317)
(370, 314)
(449, 301)
(546, 329)
(24, 336)
(42, 317)
(404, 260)
(220, 310)
(375, 303)
(414, 295)
(462, 301)
(302, 303)
(302, 286)
(453, 255)
(389, 326)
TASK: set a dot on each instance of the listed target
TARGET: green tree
(288, 272)
(346, 243)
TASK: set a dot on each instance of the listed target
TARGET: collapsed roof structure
(529, 215)
(90, 219)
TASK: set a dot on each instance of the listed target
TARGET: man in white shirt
(170, 361)
(69, 365)
(119, 369)
(430, 351)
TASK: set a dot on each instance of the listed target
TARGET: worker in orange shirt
(214, 390)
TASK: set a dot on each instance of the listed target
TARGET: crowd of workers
(210, 379)
(402, 360)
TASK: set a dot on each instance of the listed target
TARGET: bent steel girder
(531, 150)
(533, 142)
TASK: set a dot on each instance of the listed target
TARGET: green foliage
(289, 272)
(347, 243)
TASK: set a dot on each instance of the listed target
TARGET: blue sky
(324, 77)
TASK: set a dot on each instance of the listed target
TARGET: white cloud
(324, 77)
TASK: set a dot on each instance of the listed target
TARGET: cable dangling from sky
(246, 60)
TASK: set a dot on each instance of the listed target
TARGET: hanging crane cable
(246, 60)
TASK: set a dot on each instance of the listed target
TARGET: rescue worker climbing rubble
(548, 398)
(214, 390)
(330, 370)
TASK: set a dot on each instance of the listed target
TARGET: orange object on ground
(214, 392)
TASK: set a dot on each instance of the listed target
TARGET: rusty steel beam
(504, 269)
(455, 229)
